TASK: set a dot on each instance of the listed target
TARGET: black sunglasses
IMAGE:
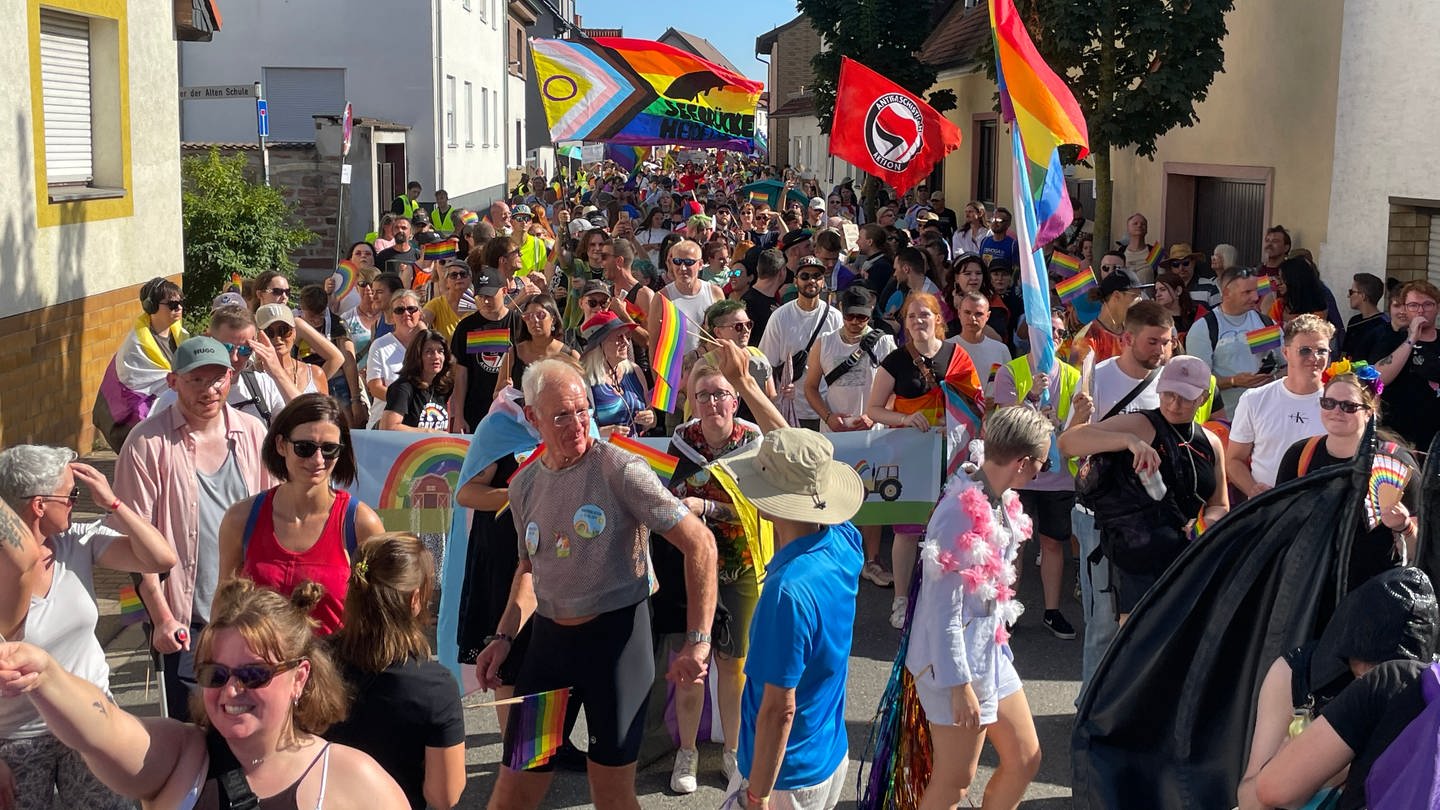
(173, 305)
(809, 276)
(410, 310)
(458, 274)
(683, 262)
(1330, 404)
(250, 676)
(72, 497)
(285, 291)
(305, 449)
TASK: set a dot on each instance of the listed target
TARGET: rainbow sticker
(426, 462)
(349, 277)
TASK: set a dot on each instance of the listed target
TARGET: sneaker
(682, 776)
(1055, 622)
(730, 767)
(898, 606)
(876, 573)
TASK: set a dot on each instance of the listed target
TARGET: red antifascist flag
(885, 130)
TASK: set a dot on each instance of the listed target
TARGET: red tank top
(273, 566)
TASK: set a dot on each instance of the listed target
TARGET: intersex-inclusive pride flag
(885, 130)
(539, 729)
(444, 249)
(1265, 339)
(661, 462)
(1042, 114)
(482, 341)
(669, 352)
(1075, 286)
(642, 93)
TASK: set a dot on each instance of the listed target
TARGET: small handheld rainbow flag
(1200, 526)
(663, 464)
(236, 280)
(1154, 255)
(636, 313)
(132, 610)
(1263, 286)
(669, 351)
(444, 249)
(1063, 264)
(469, 218)
(1388, 476)
(349, 277)
(539, 729)
(1265, 339)
(757, 196)
(1076, 286)
(491, 341)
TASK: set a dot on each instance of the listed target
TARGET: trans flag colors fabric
(1036, 99)
(885, 130)
(641, 93)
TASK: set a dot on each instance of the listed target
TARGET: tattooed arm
(19, 555)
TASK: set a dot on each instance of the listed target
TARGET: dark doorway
(390, 173)
(1230, 212)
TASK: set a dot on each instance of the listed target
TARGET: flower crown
(1364, 373)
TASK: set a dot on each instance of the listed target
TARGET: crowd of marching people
(739, 314)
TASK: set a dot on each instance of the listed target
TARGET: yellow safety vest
(1069, 381)
(532, 255)
(444, 223)
(409, 206)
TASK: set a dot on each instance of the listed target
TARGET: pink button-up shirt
(155, 476)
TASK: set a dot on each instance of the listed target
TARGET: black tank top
(1187, 462)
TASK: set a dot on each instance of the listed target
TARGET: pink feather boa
(980, 552)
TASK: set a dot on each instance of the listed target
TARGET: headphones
(150, 295)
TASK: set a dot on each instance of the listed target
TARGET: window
(297, 95)
(517, 56)
(484, 115)
(520, 145)
(495, 120)
(983, 160)
(450, 111)
(469, 114)
(65, 90)
(484, 6)
(494, 13)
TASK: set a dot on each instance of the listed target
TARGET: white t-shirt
(850, 393)
(241, 398)
(387, 355)
(62, 622)
(988, 356)
(1109, 384)
(788, 333)
(1271, 418)
(1231, 355)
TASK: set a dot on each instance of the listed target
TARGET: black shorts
(1050, 511)
(609, 665)
(1129, 587)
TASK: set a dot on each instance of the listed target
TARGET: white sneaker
(730, 767)
(876, 573)
(898, 606)
(682, 776)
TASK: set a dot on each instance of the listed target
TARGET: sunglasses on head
(406, 310)
(683, 262)
(305, 448)
(250, 676)
(1330, 404)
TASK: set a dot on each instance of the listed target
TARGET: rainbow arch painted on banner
(441, 455)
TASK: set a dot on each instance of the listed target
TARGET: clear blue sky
(732, 25)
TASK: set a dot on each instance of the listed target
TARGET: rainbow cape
(1265, 339)
(641, 93)
(1036, 99)
(1064, 264)
(469, 218)
(349, 277)
(667, 361)
(132, 610)
(539, 729)
(491, 341)
(444, 249)
(662, 463)
(1075, 286)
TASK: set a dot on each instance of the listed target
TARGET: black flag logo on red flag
(882, 129)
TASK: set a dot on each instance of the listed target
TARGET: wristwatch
(697, 637)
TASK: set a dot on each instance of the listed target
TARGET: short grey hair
(27, 470)
(542, 373)
(1229, 256)
(1014, 432)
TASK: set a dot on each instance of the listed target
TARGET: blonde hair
(1014, 432)
(1308, 324)
(381, 627)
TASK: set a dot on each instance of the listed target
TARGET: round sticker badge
(532, 538)
(589, 521)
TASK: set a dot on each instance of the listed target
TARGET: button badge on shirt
(589, 521)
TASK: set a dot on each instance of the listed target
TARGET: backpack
(1407, 773)
(1212, 324)
(347, 525)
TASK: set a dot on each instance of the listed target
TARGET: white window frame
(484, 116)
(66, 65)
(495, 120)
(465, 4)
(484, 10)
(469, 115)
(450, 135)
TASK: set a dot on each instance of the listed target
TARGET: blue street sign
(262, 118)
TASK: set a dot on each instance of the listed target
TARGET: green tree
(1136, 67)
(232, 226)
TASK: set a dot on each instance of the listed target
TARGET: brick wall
(311, 186)
(50, 368)
(1408, 250)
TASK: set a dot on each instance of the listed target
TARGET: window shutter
(296, 95)
(65, 91)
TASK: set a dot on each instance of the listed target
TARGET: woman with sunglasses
(362, 255)
(419, 398)
(344, 385)
(268, 689)
(444, 311)
(271, 287)
(306, 528)
(278, 323)
(1349, 400)
(387, 353)
(541, 336)
(46, 597)
(1140, 532)
(406, 713)
(365, 319)
(137, 373)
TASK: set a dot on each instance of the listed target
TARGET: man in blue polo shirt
(793, 745)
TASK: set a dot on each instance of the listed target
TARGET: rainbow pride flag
(349, 277)
(626, 157)
(1076, 286)
(539, 729)
(444, 249)
(469, 218)
(487, 341)
(236, 280)
(636, 313)
(1388, 477)
(1036, 99)
(1064, 264)
(1265, 339)
(662, 463)
(669, 352)
(1263, 286)
(641, 93)
(132, 610)
(757, 197)
(1200, 526)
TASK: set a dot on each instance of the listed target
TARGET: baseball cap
(201, 351)
(1120, 280)
(521, 210)
(486, 284)
(817, 202)
(793, 238)
(594, 286)
(578, 227)
(420, 218)
(809, 261)
(856, 300)
(273, 313)
(1184, 375)
(227, 299)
